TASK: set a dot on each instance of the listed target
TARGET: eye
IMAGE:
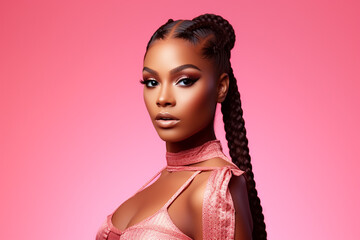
(186, 81)
(150, 83)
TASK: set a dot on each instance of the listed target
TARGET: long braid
(239, 152)
(233, 119)
(219, 48)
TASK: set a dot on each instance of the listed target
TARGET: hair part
(216, 37)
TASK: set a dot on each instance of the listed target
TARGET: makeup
(166, 123)
(166, 120)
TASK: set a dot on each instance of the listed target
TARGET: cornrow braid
(227, 33)
(209, 25)
(239, 151)
(160, 33)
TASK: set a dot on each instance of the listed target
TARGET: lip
(166, 120)
(162, 115)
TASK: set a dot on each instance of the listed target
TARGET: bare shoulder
(201, 182)
(243, 219)
(197, 194)
(238, 190)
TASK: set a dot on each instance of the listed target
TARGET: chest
(154, 197)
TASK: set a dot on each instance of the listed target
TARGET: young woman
(200, 194)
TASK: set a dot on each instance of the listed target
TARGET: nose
(166, 96)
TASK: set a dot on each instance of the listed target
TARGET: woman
(200, 194)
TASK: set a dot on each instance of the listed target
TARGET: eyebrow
(173, 71)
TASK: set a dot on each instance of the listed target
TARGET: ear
(222, 87)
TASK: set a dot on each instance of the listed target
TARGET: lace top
(218, 213)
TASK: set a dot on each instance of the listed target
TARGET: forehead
(173, 52)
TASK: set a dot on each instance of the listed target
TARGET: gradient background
(76, 140)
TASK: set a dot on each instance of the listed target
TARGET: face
(180, 89)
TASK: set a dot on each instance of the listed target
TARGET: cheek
(198, 104)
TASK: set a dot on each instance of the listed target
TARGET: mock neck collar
(208, 150)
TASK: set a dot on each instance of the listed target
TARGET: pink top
(218, 213)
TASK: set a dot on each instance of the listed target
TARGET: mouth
(165, 117)
(166, 120)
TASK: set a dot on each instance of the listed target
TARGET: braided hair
(217, 37)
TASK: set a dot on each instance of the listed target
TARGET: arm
(243, 219)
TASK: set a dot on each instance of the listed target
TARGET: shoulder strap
(181, 189)
(189, 168)
(193, 168)
(149, 181)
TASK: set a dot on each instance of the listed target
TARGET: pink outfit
(218, 213)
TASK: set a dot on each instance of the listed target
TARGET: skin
(190, 94)
(194, 104)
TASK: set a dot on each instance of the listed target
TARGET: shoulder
(237, 186)
(209, 190)
(202, 180)
(243, 218)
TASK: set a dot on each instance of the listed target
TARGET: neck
(196, 140)
(208, 150)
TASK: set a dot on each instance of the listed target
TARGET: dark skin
(180, 82)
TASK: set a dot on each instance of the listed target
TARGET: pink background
(76, 140)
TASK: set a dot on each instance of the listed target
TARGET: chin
(169, 135)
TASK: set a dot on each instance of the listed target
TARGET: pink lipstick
(166, 120)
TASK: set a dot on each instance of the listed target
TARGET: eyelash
(192, 81)
(145, 82)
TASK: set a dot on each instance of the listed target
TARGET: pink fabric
(218, 209)
(208, 150)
